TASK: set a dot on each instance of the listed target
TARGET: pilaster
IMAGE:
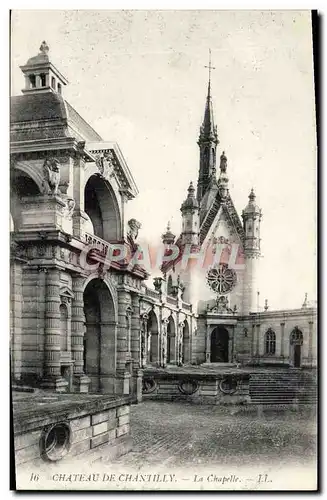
(81, 381)
(52, 374)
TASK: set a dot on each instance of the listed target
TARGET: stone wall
(91, 432)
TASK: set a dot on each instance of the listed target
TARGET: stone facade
(82, 319)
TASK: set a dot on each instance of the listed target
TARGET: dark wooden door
(219, 346)
(297, 355)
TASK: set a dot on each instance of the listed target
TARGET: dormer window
(59, 88)
(43, 80)
(53, 82)
(32, 79)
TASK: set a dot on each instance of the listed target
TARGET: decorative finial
(191, 189)
(305, 303)
(252, 195)
(44, 48)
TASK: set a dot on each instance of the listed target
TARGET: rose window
(221, 279)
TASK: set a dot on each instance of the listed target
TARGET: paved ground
(179, 434)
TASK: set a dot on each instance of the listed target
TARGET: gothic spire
(208, 141)
(208, 130)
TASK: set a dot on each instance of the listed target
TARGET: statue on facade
(69, 208)
(133, 229)
(105, 163)
(51, 169)
(157, 283)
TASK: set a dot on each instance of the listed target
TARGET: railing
(97, 243)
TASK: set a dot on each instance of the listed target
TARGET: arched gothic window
(296, 336)
(270, 342)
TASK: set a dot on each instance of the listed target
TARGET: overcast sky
(138, 77)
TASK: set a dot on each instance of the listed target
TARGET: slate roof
(42, 107)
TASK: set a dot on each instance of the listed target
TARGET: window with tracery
(270, 342)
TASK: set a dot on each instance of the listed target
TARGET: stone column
(135, 350)
(16, 318)
(258, 340)
(180, 341)
(143, 339)
(163, 336)
(122, 374)
(310, 343)
(282, 339)
(208, 344)
(81, 381)
(52, 374)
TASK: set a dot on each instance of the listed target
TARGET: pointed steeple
(208, 141)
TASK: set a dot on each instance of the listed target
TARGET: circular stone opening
(55, 442)
(228, 385)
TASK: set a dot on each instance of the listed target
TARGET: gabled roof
(229, 209)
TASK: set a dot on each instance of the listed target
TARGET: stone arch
(22, 185)
(153, 337)
(30, 171)
(100, 336)
(186, 343)
(102, 207)
(171, 340)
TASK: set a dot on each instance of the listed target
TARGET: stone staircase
(283, 388)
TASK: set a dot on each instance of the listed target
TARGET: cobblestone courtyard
(179, 434)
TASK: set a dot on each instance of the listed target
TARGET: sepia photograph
(163, 250)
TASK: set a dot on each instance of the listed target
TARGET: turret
(168, 237)
(251, 221)
(41, 75)
(190, 214)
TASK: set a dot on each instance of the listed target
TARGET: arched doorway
(296, 343)
(99, 338)
(153, 339)
(101, 206)
(171, 341)
(186, 344)
(219, 345)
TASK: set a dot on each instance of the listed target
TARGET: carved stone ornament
(51, 171)
(148, 385)
(222, 307)
(69, 208)
(221, 279)
(105, 163)
(157, 283)
(228, 385)
(133, 228)
(188, 387)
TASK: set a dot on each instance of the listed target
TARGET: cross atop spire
(210, 67)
